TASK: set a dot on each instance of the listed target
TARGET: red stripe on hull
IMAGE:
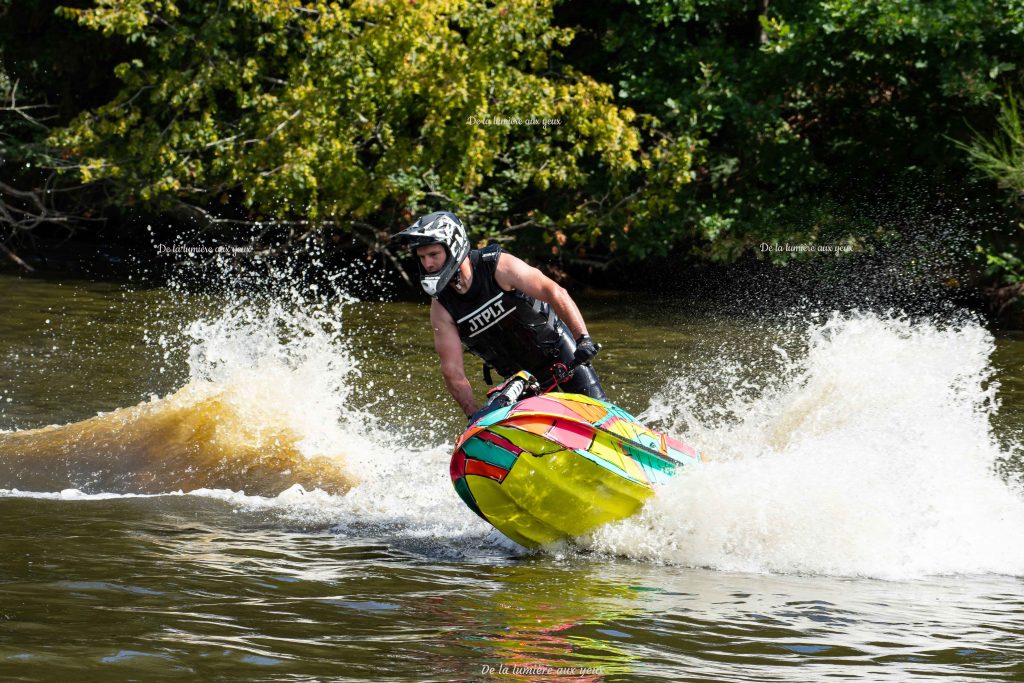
(457, 469)
(485, 469)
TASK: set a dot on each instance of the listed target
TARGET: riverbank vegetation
(592, 136)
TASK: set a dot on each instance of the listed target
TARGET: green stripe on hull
(489, 453)
(462, 489)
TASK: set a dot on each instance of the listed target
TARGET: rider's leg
(584, 381)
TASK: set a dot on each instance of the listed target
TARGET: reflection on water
(181, 587)
(545, 619)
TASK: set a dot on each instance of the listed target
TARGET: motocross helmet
(444, 228)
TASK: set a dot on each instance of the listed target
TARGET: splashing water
(279, 367)
(870, 455)
(284, 369)
(264, 407)
(863, 449)
(264, 420)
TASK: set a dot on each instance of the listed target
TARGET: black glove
(586, 349)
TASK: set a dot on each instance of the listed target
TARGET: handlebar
(514, 388)
(563, 373)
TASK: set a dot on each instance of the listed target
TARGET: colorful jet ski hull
(559, 465)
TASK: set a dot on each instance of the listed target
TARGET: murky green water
(832, 537)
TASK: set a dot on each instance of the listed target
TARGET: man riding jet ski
(502, 310)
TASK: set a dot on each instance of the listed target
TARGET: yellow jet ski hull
(559, 465)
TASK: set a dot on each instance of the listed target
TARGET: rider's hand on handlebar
(586, 349)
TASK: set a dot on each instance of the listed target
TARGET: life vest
(510, 331)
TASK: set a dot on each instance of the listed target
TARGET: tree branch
(14, 257)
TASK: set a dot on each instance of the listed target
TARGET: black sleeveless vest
(510, 331)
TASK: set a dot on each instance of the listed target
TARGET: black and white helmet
(444, 228)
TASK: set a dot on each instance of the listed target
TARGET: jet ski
(541, 466)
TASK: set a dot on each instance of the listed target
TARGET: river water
(235, 487)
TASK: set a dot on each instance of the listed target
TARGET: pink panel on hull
(572, 435)
(680, 446)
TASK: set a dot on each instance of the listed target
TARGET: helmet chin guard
(444, 228)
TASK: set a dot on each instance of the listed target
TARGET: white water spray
(871, 455)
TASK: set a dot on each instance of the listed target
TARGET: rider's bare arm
(514, 273)
(449, 348)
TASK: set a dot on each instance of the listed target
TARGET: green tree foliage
(328, 111)
(1000, 157)
(50, 70)
(799, 104)
(702, 126)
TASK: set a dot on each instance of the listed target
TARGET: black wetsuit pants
(584, 380)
